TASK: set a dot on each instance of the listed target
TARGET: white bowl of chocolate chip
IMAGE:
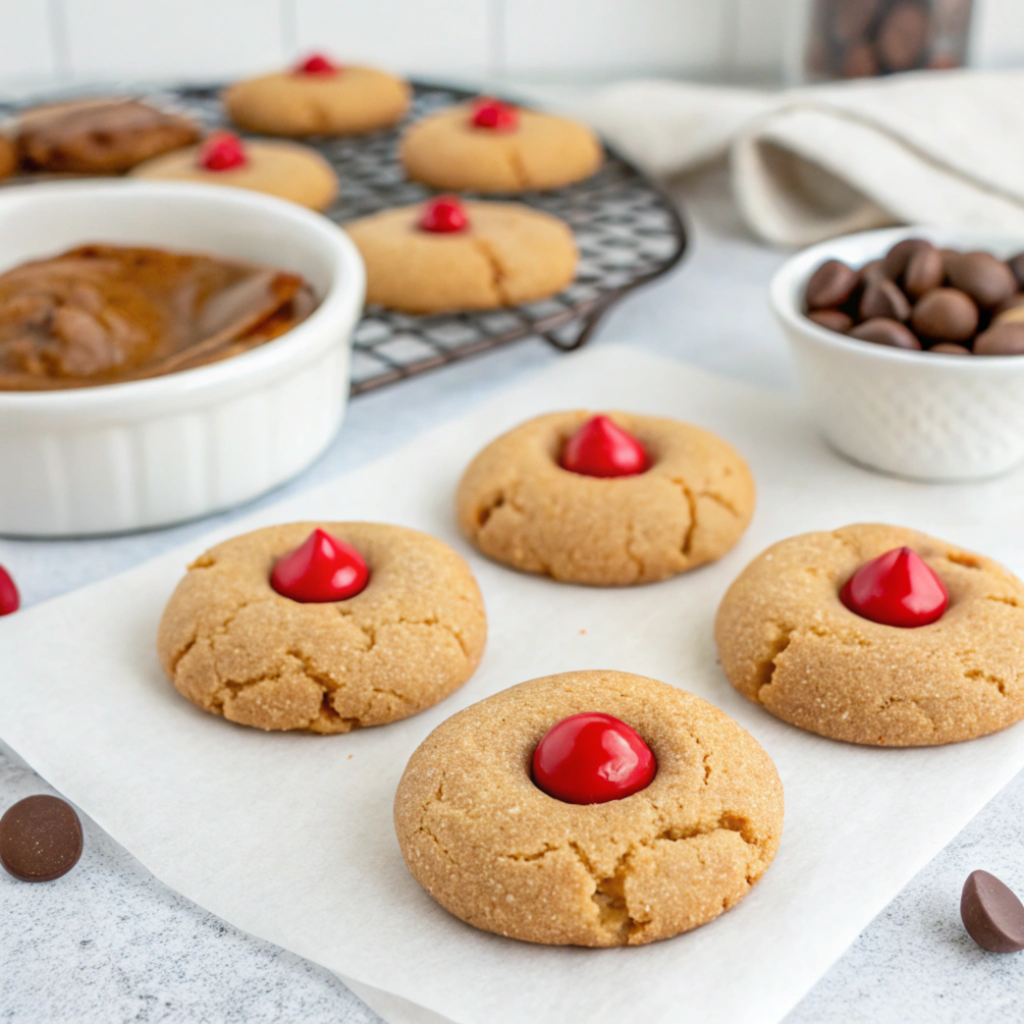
(909, 343)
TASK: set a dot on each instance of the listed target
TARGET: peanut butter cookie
(518, 505)
(788, 640)
(499, 853)
(233, 645)
(452, 150)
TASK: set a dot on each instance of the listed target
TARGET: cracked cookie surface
(235, 647)
(446, 151)
(787, 641)
(508, 255)
(502, 855)
(517, 504)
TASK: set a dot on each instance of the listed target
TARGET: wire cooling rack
(627, 230)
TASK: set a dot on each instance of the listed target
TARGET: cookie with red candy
(589, 809)
(609, 499)
(877, 634)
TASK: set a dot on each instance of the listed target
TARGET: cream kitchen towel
(807, 164)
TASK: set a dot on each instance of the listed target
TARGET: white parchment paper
(290, 836)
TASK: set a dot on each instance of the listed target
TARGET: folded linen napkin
(807, 164)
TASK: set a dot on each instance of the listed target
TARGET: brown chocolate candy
(831, 319)
(1004, 339)
(992, 913)
(1016, 264)
(873, 271)
(883, 298)
(40, 839)
(831, 285)
(926, 270)
(949, 348)
(883, 331)
(897, 258)
(1015, 301)
(981, 275)
(945, 314)
(903, 36)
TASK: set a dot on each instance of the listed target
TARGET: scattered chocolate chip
(1016, 264)
(948, 348)
(992, 913)
(897, 258)
(1004, 339)
(925, 270)
(40, 839)
(832, 319)
(981, 275)
(883, 298)
(882, 331)
(873, 271)
(945, 314)
(831, 285)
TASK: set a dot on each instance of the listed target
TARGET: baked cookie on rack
(285, 169)
(318, 97)
(446, 255)
(589, 809)
(490, 146)
(879, 635)
(607, 500)
(323, 627)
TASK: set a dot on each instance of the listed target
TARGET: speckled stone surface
(108, 943)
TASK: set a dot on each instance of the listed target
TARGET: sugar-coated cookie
(233, 644)
(788, 640)
(285, 169)
(688, 504)
(318, 97)
(501, 854)
(445, 256)
(493, 147)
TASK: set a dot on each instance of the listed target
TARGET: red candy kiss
(317, 64)
(896, 589)
(322, 569)
(600, 448)
(494, 115)
(9, 599)
(592, 758)
(444, 216)
(222, 151)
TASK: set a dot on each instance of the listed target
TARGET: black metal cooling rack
(627, 229)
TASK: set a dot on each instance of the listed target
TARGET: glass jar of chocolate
(863, 38)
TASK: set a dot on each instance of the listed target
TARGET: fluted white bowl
(148, 453)
(912, 414)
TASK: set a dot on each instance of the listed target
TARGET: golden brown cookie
(787, 641)
(502, 855)
(519, 506)
(105, 136)
(8, 157)
(447, 151)
(508, 254)
(235, 647)
(348, 101)
(284, 169)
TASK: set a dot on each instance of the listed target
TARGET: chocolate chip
(883, 331)
(902, 37)
(831, 319)
(945, 314)
(40, 839)
(948, 348)
(897, 258)
(831, 285)
(1004, 339)
(986, 279)
(926, 270)
(873, 271)
(1016, 264)
(883, 298)
(992, 914)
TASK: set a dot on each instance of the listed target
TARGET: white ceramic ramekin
(152, 452)
(913, 414)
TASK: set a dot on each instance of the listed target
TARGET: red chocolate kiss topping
(600, 448)
(222, 151)
(494, 115)
(323, 569)
(444, 215)
(896, 589)
(9, 599)
(592, 758)
(992, 913)
(317, 64)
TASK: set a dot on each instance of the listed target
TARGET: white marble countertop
(109, 943)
